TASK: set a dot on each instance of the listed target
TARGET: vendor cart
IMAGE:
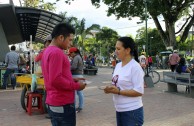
(25, 82)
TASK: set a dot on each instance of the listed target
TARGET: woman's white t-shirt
(130, 76)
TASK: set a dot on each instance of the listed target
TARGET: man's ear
(61, 38)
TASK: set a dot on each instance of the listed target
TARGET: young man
(60, 85)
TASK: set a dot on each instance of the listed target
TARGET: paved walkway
(161, 108)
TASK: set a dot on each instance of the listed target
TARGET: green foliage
(107, 38)
(155, 44)
(169, 10)
(186, 45)
(40, 4)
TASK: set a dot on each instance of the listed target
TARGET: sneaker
(78, 110)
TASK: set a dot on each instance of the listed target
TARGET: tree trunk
(161, 31)
(171, 32)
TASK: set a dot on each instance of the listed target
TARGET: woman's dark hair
(64, 29)
(129, 43)
(181, 63)
(78, 52)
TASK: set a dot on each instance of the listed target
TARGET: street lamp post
(146, 26)
(146, 31)
(151, 44)
(147, 78)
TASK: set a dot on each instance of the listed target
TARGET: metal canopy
(36, 22)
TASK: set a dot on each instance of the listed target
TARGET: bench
(173, 79)
(90, 71)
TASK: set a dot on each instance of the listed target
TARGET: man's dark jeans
(130, 118)
(13, 78)
(62, 115)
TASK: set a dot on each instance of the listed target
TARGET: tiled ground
(161, 108)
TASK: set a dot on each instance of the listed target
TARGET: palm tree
(107, 38)
(83, 32)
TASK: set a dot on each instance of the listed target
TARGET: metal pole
(146, 27)
(150, 45)
(148, 80)
(146, 32)
(31, 54)
(192, 42)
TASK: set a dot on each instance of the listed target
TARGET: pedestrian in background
(38, 59)
(59, 84)
(127, 85)
(174, 60)
(77, 71)
(12, 60)
(142, 60)
(150, 61)
(46, 44)
(22, 64)
(157, 61)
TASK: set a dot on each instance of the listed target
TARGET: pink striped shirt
(59, 83)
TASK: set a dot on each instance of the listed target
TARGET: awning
(36, 22)
(21, 22)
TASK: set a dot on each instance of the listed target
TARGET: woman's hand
(111, 89)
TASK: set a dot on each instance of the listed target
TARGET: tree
(155, 44)
(170, 10)
(107, 38)
(74, 22)
(40, 4)
(83, 32)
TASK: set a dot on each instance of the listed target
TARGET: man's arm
(56, 76)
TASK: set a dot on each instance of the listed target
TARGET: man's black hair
(64, 29)
(13, 47)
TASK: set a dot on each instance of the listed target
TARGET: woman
(76, 70)
(182, 68)
(127, 85)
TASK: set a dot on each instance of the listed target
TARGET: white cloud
(84, 9)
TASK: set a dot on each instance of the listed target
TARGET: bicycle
(153, 74)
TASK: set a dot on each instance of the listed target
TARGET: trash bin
(164, 56)
(165, 62)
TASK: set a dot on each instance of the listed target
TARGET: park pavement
(161, 108)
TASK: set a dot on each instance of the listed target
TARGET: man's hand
(78, 79)
(82, 85)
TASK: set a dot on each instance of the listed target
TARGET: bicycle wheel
(155, 76)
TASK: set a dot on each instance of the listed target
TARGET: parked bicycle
(153, 74)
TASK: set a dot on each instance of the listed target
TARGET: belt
(59, 109)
